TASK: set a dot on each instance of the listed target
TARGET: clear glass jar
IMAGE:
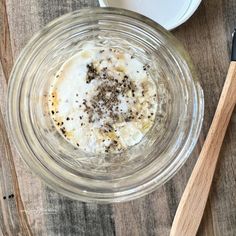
(104, 178)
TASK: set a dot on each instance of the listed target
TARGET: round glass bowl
(105, 177)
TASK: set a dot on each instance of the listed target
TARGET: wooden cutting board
(28, 207)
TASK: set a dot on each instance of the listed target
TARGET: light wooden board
(38, 210)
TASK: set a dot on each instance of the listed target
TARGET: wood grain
(13, 220)
(206, 36)
(5, 43)
(12, 214)
(193, 201)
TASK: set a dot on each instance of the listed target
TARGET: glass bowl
(105, 177)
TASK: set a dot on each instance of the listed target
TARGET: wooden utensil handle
(193, 201)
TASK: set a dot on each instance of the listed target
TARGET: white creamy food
(103, 100)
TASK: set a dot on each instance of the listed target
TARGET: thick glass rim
(57, 182)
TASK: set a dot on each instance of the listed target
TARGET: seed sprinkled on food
(107, 97)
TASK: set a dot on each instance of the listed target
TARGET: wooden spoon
(193, 201)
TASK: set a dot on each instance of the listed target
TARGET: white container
(168, 13)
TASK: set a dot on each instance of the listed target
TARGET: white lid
(168, 13)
